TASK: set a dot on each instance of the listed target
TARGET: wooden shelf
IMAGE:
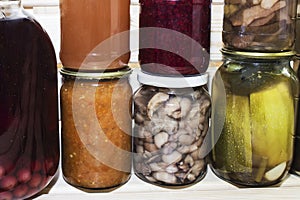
(211, 187)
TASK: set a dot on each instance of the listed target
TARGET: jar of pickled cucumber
(259, 25)
(253, 99)
(171, 118)
(295, 168)
(297, 39)
(96, 129)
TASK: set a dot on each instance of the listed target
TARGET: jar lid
(97, 75)
(297, 56)
(171, 81)
(258, 55)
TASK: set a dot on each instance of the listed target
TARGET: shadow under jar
(174, 36)
(171, 118)
(96, 129)
(259, 25)
(254, 98)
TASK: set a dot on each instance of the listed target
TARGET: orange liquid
(85, 25)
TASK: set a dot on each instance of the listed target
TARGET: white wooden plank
(210, 187)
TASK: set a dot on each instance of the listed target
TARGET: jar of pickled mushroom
(259, 25)
(94, 34)
(171, 120)
(164, 21)
(254, 99)
(96, 129)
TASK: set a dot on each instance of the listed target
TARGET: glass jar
(96, 129)
(94, 34)
(295, 168)
(254, 98)
(29, 140)
(164, 21)
(297, 41)
(171, 117)
(259, 25)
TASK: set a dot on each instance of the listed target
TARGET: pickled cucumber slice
(233, 152)
(275, 173)
(272, 115)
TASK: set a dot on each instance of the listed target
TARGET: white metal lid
(172, 82)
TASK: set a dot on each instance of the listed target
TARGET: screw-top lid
(257, 55)
(172, 82)
(97, 75)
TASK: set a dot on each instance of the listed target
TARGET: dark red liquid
(29, 141)
(189, 17)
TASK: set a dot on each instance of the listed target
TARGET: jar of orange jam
(96, 129)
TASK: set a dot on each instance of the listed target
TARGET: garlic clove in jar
(274, 173)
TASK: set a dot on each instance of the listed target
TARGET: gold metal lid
(258, 55)
(97, 75)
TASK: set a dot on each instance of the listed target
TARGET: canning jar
(254, 99)
(94, 34)
(295, 168)
(164, 21)
(29, 140)
(96, 129)
(259, 25)
(171, 120)
(297, 40)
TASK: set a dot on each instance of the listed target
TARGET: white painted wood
(210, 188)
(31, 3)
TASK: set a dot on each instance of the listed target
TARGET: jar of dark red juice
(29, 141)
(175, 36)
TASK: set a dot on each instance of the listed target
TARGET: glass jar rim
(258, 55)
(171, 81)
(97, 75)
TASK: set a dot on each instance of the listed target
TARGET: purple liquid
(29, 141)
(189, 17)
